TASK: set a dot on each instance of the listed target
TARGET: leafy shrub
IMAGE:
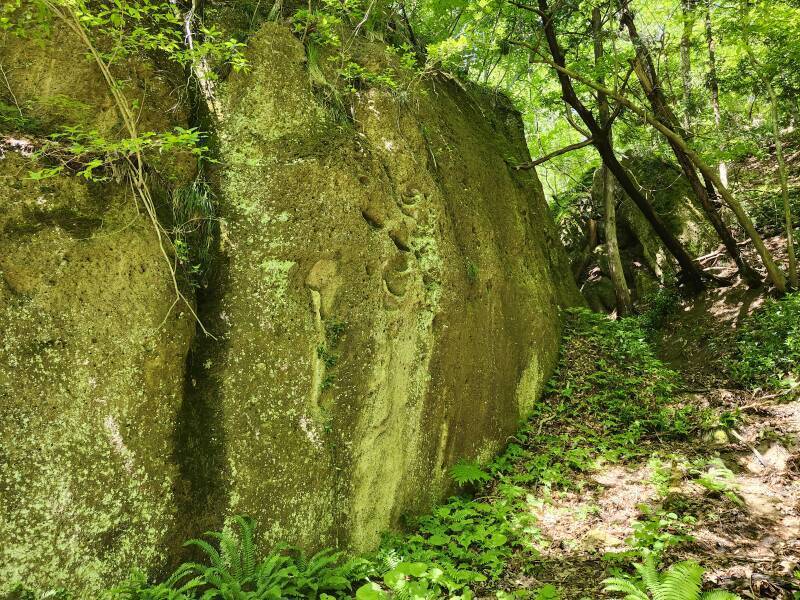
(660, 531)
(470, 540)
(768, 346)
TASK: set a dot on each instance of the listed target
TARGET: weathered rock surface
(91, 365)
(90, 383)
(391, 296)
(385, 301)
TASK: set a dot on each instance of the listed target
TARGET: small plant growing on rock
(468, 473)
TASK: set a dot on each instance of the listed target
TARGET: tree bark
(552, 155)
(591, 243)
(686, 62)
(691, 269)
(616, 271)
(648, 78)
(713, 85)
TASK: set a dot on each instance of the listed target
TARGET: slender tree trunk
(687, 9)
(616, 271)
(713, 85)
(648, 78)
(706, 200)
(776, 132)
(692, 272)
(787, 208)
(579, 266)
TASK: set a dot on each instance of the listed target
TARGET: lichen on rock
(407, 226)
(385, 301)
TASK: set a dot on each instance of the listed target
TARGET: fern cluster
(681, 581)
(233, 572)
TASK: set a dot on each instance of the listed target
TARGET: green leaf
(370, 591)
(439, 539)
(495, 540)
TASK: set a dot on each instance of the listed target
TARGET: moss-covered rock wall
(93, 346)
(391, 295)
(385, 301)
(91, 379)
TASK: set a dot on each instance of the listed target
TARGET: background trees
(700, 84)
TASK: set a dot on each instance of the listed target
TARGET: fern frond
(246, 546)
(465, 472)
(229, 550)
(208, 549)
(321, 560)
(720, 595)
(183, 572)
(649, 574)
(682, 581)
(625, 586)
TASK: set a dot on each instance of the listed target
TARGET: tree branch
(559, 152)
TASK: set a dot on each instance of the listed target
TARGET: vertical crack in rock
(202, 488)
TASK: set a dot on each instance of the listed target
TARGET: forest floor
(728, 498)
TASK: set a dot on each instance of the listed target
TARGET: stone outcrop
(92, 351)
(91, 379)
(645, 259)
(384, 301)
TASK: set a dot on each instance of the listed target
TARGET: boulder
(92, 354)
(389, 301)
(385, 300)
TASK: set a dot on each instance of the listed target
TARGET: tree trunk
(616, 272)
(686, 62)
(567, 75)
(591, 243)
(776, 132)
(713, 86)
(648, 78)
(787, 208)
(747, 272)
(691, 269)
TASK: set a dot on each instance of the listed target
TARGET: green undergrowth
(609, 397)
(681, 581)
(768, 346)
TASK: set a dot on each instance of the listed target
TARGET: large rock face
(385, 302)
(390, 301)
(91, 378)
(92, 352)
